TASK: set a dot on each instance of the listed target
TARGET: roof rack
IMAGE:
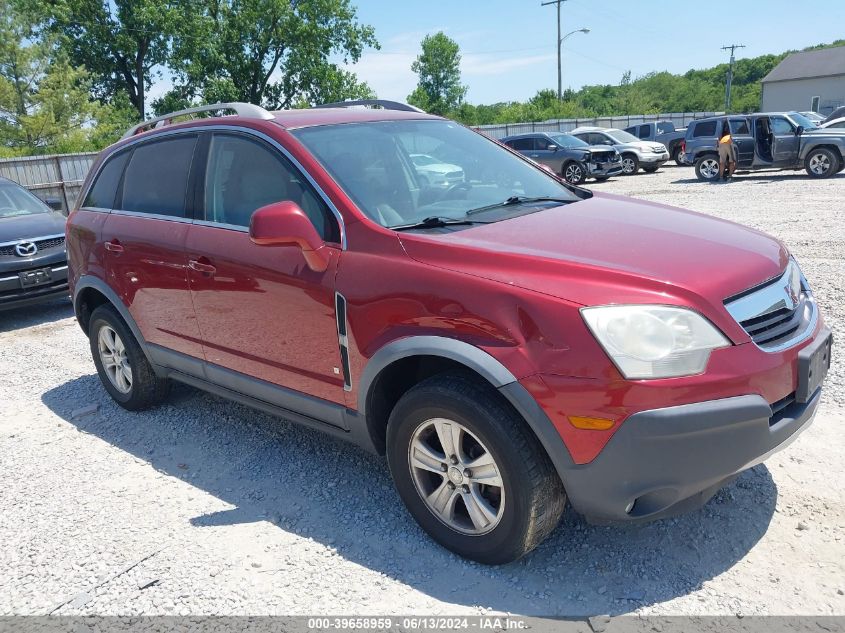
(387, 105)
(246, 110)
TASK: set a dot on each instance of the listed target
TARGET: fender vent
(343, 339)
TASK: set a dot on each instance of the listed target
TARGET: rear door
(144, 240)
(785, 141)
(743, 141)
(262, 311)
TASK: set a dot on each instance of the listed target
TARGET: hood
(611, 249)
(641, 145)
(598, 148)
(33, 225)
(815, 132)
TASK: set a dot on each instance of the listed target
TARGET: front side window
(245, 174)
(15, 201)
(781, 126)
(156, 179)
(373, 163)
(104, 191)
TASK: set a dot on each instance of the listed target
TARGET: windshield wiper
(435, 222)
(518, 200)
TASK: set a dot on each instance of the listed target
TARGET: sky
(508, 46)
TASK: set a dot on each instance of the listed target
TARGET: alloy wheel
(628, 165)
(709, 168)
(819, 164)
(573, 174)
(456, 476)
(114, 359)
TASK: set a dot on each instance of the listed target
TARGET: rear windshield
(15, 200)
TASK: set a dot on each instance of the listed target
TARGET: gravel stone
(98, 505)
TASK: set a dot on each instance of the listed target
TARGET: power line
(729, 82)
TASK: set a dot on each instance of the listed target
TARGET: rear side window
(739, 127)
(705, 128)
(104, 191)
(645, 131)
(522, 144)
(156, 179)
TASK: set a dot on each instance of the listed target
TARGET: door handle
(201, 267)
(114, 246)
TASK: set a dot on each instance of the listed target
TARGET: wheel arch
(828, 146)
(405, 362)
(92, 292)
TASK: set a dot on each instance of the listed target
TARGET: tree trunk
(139, 77)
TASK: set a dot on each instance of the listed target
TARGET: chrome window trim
(222, 128)
(222, 225)
(771, 296)
(32, 239)
(154, 216)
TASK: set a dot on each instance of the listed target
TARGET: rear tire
(676, 156)
(821, 163)
(707, 168)
(630, 164)
(491, 523)
(123, 368)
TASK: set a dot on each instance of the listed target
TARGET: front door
(144, 240)
(785, 141)
(262, 312)
(545, 156)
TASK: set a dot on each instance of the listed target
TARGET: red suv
(508, 340)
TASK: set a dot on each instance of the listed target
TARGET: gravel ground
(206, 507)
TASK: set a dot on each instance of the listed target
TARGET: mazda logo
(26, 249)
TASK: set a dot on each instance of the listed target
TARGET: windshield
(621, 136)
(567, 140)
(376, 165)
(800, 119)
(15, 200)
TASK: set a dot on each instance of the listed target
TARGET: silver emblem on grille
(26, 249)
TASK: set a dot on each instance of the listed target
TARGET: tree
(120, 42)
(439, 89)
(44, 101)
(269, 52)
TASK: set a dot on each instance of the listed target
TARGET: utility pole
(732, 48)
(559, 80)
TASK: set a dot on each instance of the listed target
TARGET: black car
(570, 157)
(33, 259)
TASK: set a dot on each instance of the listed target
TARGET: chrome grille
(777, 314)
(7, 249)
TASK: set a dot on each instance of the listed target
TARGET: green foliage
(45, 103)
(439, 89)
(120, 42)
(269, 52)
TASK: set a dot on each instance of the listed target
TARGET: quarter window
(156, 178)
(104, 191)
(244, 174)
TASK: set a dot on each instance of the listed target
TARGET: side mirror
(285, 224)
(800, 130)
(551, 148)
(54, 203)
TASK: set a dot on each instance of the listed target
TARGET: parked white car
(635, 153)
(436, 172)
(837, 123)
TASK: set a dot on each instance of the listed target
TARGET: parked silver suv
(635, 153)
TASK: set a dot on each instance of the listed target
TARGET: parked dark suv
(779, 140)
(33, 264)
(509, 341)
(568, 156)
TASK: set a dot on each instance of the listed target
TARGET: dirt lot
(206, 507)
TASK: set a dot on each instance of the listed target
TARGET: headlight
(653, 341)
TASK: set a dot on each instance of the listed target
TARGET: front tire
(574, 173)
(821, 163)
(470, 471)
(652, 169)
(707, 168)
(123, 368)
(630, 164)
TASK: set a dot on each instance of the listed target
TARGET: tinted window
(781, 126)
(705, 128)
(245, 174)
(839, 124)
(645, 131)
(599, 139)
(542, 143)
(104, 191)
(739, 127)
(156, 178)
(665, 127)
(522, 144)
